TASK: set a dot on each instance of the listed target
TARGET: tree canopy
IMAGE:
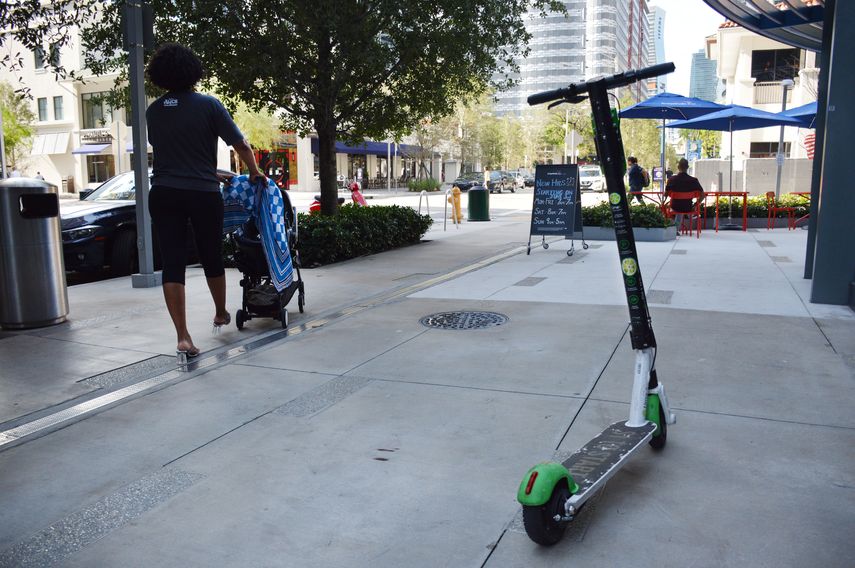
(18, 122)
(344, 68)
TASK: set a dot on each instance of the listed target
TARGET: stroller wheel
(240, 318)
(300, 302)
(283, 317)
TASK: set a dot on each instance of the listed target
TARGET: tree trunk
(327, 165)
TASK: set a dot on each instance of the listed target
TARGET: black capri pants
(170, 209)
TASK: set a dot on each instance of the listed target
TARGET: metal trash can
(32, 271)
(479, 204)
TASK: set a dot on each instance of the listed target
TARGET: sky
(687, 23)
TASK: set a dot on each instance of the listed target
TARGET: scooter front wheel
(657, 442)
(539, 521)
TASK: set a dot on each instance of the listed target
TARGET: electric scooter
(552, 494)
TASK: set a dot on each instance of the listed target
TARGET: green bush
(757, 207)
(356, 231)
(644, 216)
(427, 184)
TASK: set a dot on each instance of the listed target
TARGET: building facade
(593, 38)
(703, 79)
(753, 70)
(656, 47)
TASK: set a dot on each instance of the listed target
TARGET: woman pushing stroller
(183, 128)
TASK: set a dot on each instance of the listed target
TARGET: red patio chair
(774, 209)
(690, 219)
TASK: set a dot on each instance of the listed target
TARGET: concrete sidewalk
(363, 438)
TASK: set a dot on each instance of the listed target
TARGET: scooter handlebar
(612, 82)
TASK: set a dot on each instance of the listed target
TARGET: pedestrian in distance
(39, 176)
(183, 128)
(638, 178)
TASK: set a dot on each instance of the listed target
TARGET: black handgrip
(638, 74)
(547, 96)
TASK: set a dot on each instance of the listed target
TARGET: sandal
(184, 355)
(218, 326)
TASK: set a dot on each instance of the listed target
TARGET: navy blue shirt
(183, 129)
(636, 178)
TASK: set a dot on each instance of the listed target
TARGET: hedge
(356, 231)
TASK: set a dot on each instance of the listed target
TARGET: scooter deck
(598, 460)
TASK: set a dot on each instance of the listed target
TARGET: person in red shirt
(682, 181)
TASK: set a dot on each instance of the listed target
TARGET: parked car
(468, 180)
(499, 181)
(518, 179)
(101, 229)
(528, 179)
(591, 179)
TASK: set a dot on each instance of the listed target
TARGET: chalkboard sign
(556, 190)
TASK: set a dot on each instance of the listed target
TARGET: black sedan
(466, 181)
(101, 229)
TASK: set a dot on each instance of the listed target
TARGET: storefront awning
(91, 149)
(370, 147)
(56, 143)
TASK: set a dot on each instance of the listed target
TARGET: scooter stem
(640, 381)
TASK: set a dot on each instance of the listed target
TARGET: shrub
(644, 216)
(356, 231)
(757, 207)
(427, 184)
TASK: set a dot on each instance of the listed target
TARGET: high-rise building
(703, 81)
(656, 47)
(595, 37)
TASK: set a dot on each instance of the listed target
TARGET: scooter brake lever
(573, 100)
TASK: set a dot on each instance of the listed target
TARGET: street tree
(18, 121)
(346, 69)
(42, 28)
(643, 139)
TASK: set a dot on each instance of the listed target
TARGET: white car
(591, 179)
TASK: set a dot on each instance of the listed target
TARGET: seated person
(683, 182)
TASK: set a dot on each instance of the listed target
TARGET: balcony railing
(770, 93)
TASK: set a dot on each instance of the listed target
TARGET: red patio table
(718, 194)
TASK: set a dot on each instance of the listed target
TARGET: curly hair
(175, 68)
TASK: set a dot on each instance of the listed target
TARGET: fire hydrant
(456, 212)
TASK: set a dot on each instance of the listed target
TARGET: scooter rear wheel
(540, 524)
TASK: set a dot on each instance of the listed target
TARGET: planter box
(641, 235)
(753, 222)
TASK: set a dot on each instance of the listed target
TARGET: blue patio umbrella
(735, 117)
(670, 106)
(805, 113)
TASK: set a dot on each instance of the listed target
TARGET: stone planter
(753, 222)
(657, 235)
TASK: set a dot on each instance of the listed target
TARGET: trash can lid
(27, 183)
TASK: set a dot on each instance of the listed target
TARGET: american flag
(810, 141)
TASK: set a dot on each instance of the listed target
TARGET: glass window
(42, 102)
(57, 108)
(774, 64)
(100, 167)
(39, 57)
(767, 149)
(54, 55)
(96, 112)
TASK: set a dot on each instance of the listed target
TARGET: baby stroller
(259, 296)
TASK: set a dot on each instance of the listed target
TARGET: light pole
(785, 84)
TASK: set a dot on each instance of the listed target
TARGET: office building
(703, 82)
(656, 47)
(595, 37)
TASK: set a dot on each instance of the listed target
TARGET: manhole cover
(463, 320)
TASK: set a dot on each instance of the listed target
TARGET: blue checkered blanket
(243, 200)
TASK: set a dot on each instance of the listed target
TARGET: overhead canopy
(91, 149)
(794, 22)
(670, 106)
(56, 143)
(369, 147)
